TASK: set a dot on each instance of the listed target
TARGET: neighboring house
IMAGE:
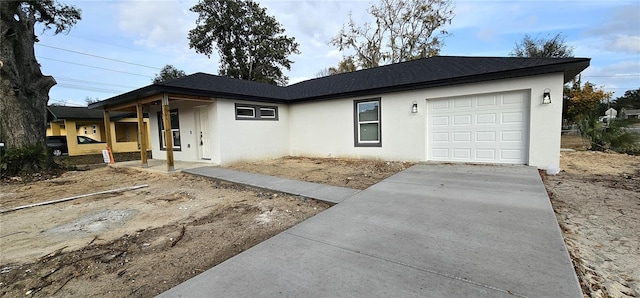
(630, 114)
(78, 122)
(454, 109)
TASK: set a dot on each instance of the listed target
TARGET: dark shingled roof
(62, 112)
(422, 73)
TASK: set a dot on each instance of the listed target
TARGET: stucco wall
(326, 128)
(250, 139)
(189, 137)
(231, 140)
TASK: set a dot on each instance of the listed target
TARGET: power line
(614, 76)
(85, 65)
(92, 82)
(95, 89)
(96, 56)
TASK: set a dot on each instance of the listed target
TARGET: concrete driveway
(429, 231)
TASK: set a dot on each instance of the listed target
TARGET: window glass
(367, 123)
(267, 113)
(368, 111)
(245, 112)
(175, 129)
(369, 132)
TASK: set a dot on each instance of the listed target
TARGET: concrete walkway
(327, 193)
(431, 230)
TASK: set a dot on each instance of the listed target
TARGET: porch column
(142, 136)
(107, 130)
(168, 135)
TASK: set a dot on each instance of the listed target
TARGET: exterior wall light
(414, 107)
(546, 96)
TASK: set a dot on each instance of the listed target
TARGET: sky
(119, 46)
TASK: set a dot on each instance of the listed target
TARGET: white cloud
(156, 23)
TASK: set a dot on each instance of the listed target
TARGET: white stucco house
(445, 108)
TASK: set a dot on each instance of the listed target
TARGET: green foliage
(168, 72)
(403, 30)
(630, 100)
(24, 161)
(251, 44)
(609, 136)
(554, 47)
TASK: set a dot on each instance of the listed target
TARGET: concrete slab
(432, 230)
(327, 193)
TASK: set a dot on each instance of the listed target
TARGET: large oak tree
(251, 44)
(24, 90)
(403, 30)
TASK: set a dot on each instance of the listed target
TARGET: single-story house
(630, 113)
(78, 122)
(445, 108)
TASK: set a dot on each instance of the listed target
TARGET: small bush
(24, 161)
(609, 136)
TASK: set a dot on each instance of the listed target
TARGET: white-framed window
(84, 129)
(367, 123)
(245, 112)
(95, 129)
(175, 130)
(256, 112)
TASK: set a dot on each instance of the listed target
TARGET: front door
(203, 133)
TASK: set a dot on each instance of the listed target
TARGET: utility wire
(96, 56)
(95, 89)
(92, 82)
(85, 65)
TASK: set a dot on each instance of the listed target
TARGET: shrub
(609, 136)
(24, 161)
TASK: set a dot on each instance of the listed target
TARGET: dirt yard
(597, 202)
(142, 242)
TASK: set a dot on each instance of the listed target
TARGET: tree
(346, 65)
(630, 100)
(250, 43)
(554, 47)
(168, 72)
(585, 100)
(24, 90)
(403, 30)
(89, 100)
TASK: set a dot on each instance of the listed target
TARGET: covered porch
(149, 101)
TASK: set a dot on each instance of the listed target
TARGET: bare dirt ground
(597, 202)
(142, 242)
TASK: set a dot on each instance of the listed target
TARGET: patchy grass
(575, 142)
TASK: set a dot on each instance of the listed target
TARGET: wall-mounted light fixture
(546, 96)
(414, 107)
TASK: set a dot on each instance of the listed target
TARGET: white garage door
(488, 128)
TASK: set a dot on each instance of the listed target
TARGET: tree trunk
(24, 90)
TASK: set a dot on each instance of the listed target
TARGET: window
(175, 130)
(95, 129)
(367, 123)
(255, 112)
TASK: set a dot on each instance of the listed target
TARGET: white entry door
(204, 138)
(486, 128)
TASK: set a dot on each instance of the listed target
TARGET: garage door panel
(464, 137)
(485, 136)
(462, 120)
(440, 120)
(512, 117)
(481, 128)
(483, 119)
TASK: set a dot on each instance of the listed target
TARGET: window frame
(161, 139)
(257, 112)
(357, 142)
